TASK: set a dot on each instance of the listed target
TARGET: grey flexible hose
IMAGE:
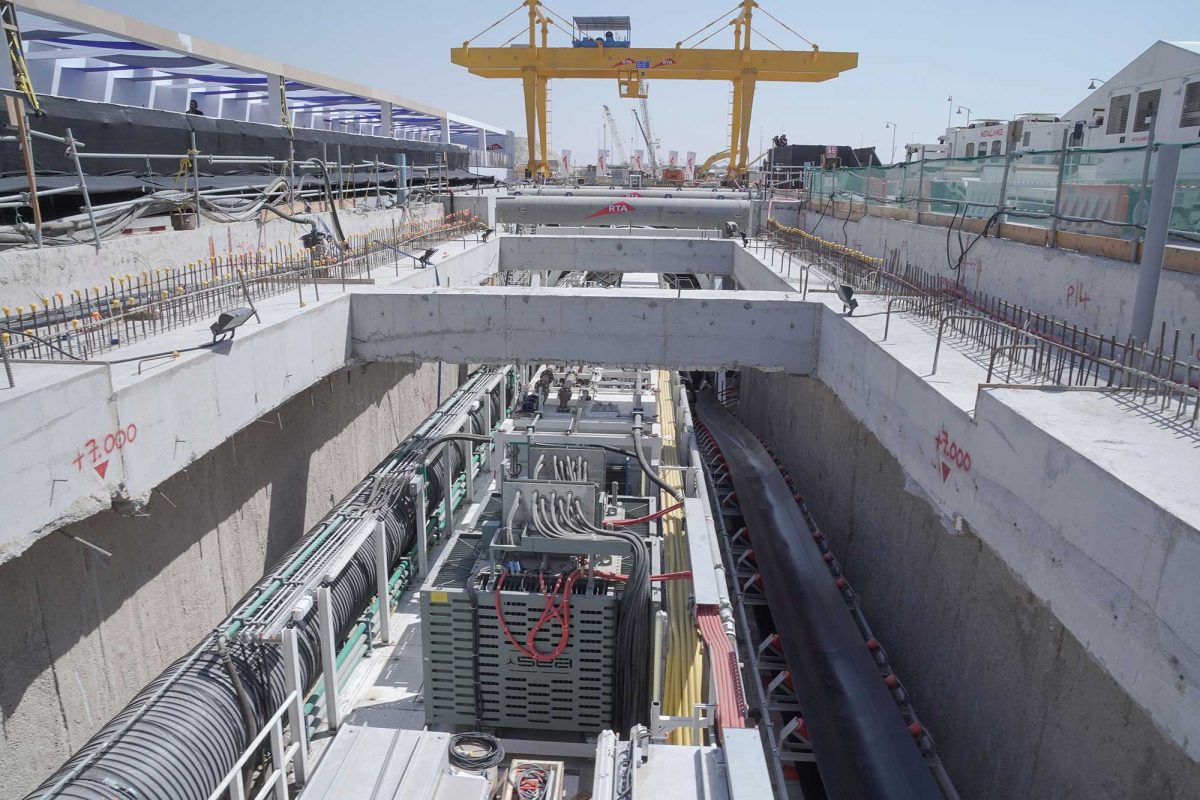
(645, 465)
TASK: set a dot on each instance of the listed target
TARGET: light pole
(960, 110)
(949, 109)
(892, 125)
(1092, 83)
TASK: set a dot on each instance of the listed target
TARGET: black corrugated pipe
(182, 745)
(862, 746)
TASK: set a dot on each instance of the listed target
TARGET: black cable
(239, 687)
(463, 758)
(49, 344)
(983, 235)
(824, 207)
(645, 465)
(631, 686)
(337, 223)
(846, 221)
(473, 599)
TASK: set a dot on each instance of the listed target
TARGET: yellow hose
(685, 663)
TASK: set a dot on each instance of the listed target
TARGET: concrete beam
(654, 212)
(620, 327)
(608, 254)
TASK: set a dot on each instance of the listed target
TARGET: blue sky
(998, 58)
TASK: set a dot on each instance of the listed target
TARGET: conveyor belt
(863, 749)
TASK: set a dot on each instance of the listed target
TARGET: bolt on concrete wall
(80, 635)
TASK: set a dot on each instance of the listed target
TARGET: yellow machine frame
(743, 66)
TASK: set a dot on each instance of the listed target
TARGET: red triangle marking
(102, 468)
(945, 471)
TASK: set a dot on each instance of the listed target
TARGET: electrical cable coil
(463, 745)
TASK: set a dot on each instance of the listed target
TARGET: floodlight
(846, 295)
(230, 321)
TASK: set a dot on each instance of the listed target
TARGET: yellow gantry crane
(610, 57)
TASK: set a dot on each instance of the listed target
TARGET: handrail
(273, 727)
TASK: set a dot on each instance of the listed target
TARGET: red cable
(561, 612)
(666, 576)
(639, 520)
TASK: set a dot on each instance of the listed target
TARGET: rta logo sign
(620, 207)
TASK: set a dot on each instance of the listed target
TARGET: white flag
(567, 166)
(601, 162)
(673, 158)
(637, 159)
(691, 165)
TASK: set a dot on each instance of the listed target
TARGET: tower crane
(618, 145)
(648, 135)
(633, 67)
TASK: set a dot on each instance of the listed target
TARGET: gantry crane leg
(544, 163)
(530, 80)
(735, 126)
(749, 79)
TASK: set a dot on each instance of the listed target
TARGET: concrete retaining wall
(1086, 290)
(80, 635)
(482, 203)
(1072, 526)
(1017, 705)
(752, 275)
(31, 274)
(86, 435)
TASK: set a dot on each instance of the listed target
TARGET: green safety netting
(1102, 192)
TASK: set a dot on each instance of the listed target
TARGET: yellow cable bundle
(684, 681)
